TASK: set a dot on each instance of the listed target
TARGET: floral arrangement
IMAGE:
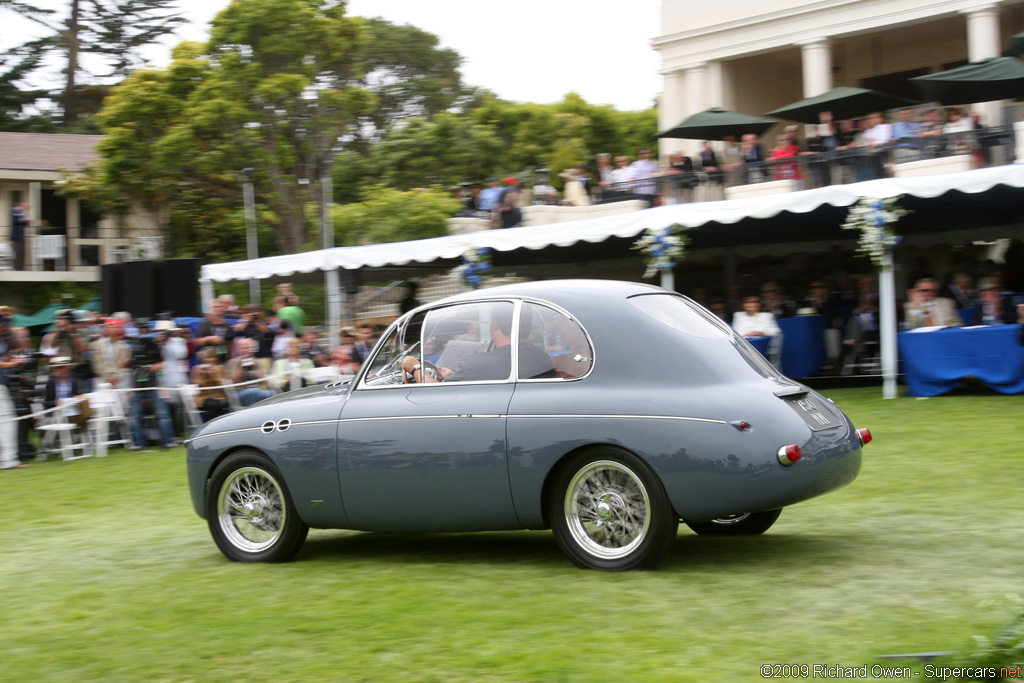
(662, 248)
(874, 218)
(476, 266)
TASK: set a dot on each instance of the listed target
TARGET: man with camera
(244, 368)
(9, 361)
(145, 365)
(253, 325)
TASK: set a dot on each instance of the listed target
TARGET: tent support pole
(887, 325)
(333, 307)
(206, 294)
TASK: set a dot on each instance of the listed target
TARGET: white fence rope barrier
(75, 400)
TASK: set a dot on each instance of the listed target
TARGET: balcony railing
(51, 249)
(993, 146)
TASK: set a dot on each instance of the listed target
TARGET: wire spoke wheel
(251, 509)
(740, 524)
(607, 509)
(250, 512)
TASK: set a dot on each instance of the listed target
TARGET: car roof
(567, 293)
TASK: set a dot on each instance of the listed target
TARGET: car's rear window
(682, 314)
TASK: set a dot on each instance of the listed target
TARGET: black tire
(609, 511)
(747, 524)
(250, 512)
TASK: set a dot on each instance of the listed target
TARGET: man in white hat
(63, 386)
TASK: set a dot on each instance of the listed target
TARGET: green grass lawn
(107, 574)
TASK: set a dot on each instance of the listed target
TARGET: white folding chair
(232, 395)
(62, 431)
(325, 375)
(775, 351)
(108, 414)
(188, 393)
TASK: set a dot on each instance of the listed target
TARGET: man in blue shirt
(19, 221)
(903, 132)
(490, 197)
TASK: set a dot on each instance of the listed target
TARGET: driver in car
(495, 364)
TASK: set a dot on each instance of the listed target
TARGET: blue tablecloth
(935, 362)
(803, 345)
(760, 343)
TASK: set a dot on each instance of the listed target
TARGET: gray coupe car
(605, 411)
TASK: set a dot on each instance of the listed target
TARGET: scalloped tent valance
(979, 198)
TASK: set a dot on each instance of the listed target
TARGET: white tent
(628, 225)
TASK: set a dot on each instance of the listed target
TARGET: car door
(430, 455)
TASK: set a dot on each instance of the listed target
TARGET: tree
(389, 215)
(112, 30)
(442, 150)
(410, 74)
(15, 65)
(270, 92)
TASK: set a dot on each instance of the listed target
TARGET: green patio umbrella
(1015, 46)
(40, 318)
(998, 78)
(844, 102)
(715, 124)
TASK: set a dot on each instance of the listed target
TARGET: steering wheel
(424, 365)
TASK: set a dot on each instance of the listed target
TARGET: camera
(145, 352)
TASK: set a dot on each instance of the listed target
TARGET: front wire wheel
(610, 512)
(250, 513)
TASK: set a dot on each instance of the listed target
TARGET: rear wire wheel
(609, 511)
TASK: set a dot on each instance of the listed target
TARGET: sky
(528, 51)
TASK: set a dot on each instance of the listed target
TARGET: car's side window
(551, 345)
(468, 342)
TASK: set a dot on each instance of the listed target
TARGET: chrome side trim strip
(633, 417)
(464, 415)
(230, 431)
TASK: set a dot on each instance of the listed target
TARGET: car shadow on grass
(486, 547)
(689, 552)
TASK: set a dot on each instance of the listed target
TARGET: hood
(320, 402)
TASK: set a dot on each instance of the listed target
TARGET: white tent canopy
(600, 229)
(629, 225)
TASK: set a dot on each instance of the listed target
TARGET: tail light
(864, 436)
(790, 454)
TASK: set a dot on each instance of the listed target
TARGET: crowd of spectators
(165, 376)
(849, 304)
(501, 200)
(827, 153)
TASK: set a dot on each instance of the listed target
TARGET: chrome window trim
(517, 301)
(590, 342)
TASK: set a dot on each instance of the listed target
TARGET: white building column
(982, 32)
(982, 43)
(35, 217)
(670, 111)
(816, 55)
(716, 85)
